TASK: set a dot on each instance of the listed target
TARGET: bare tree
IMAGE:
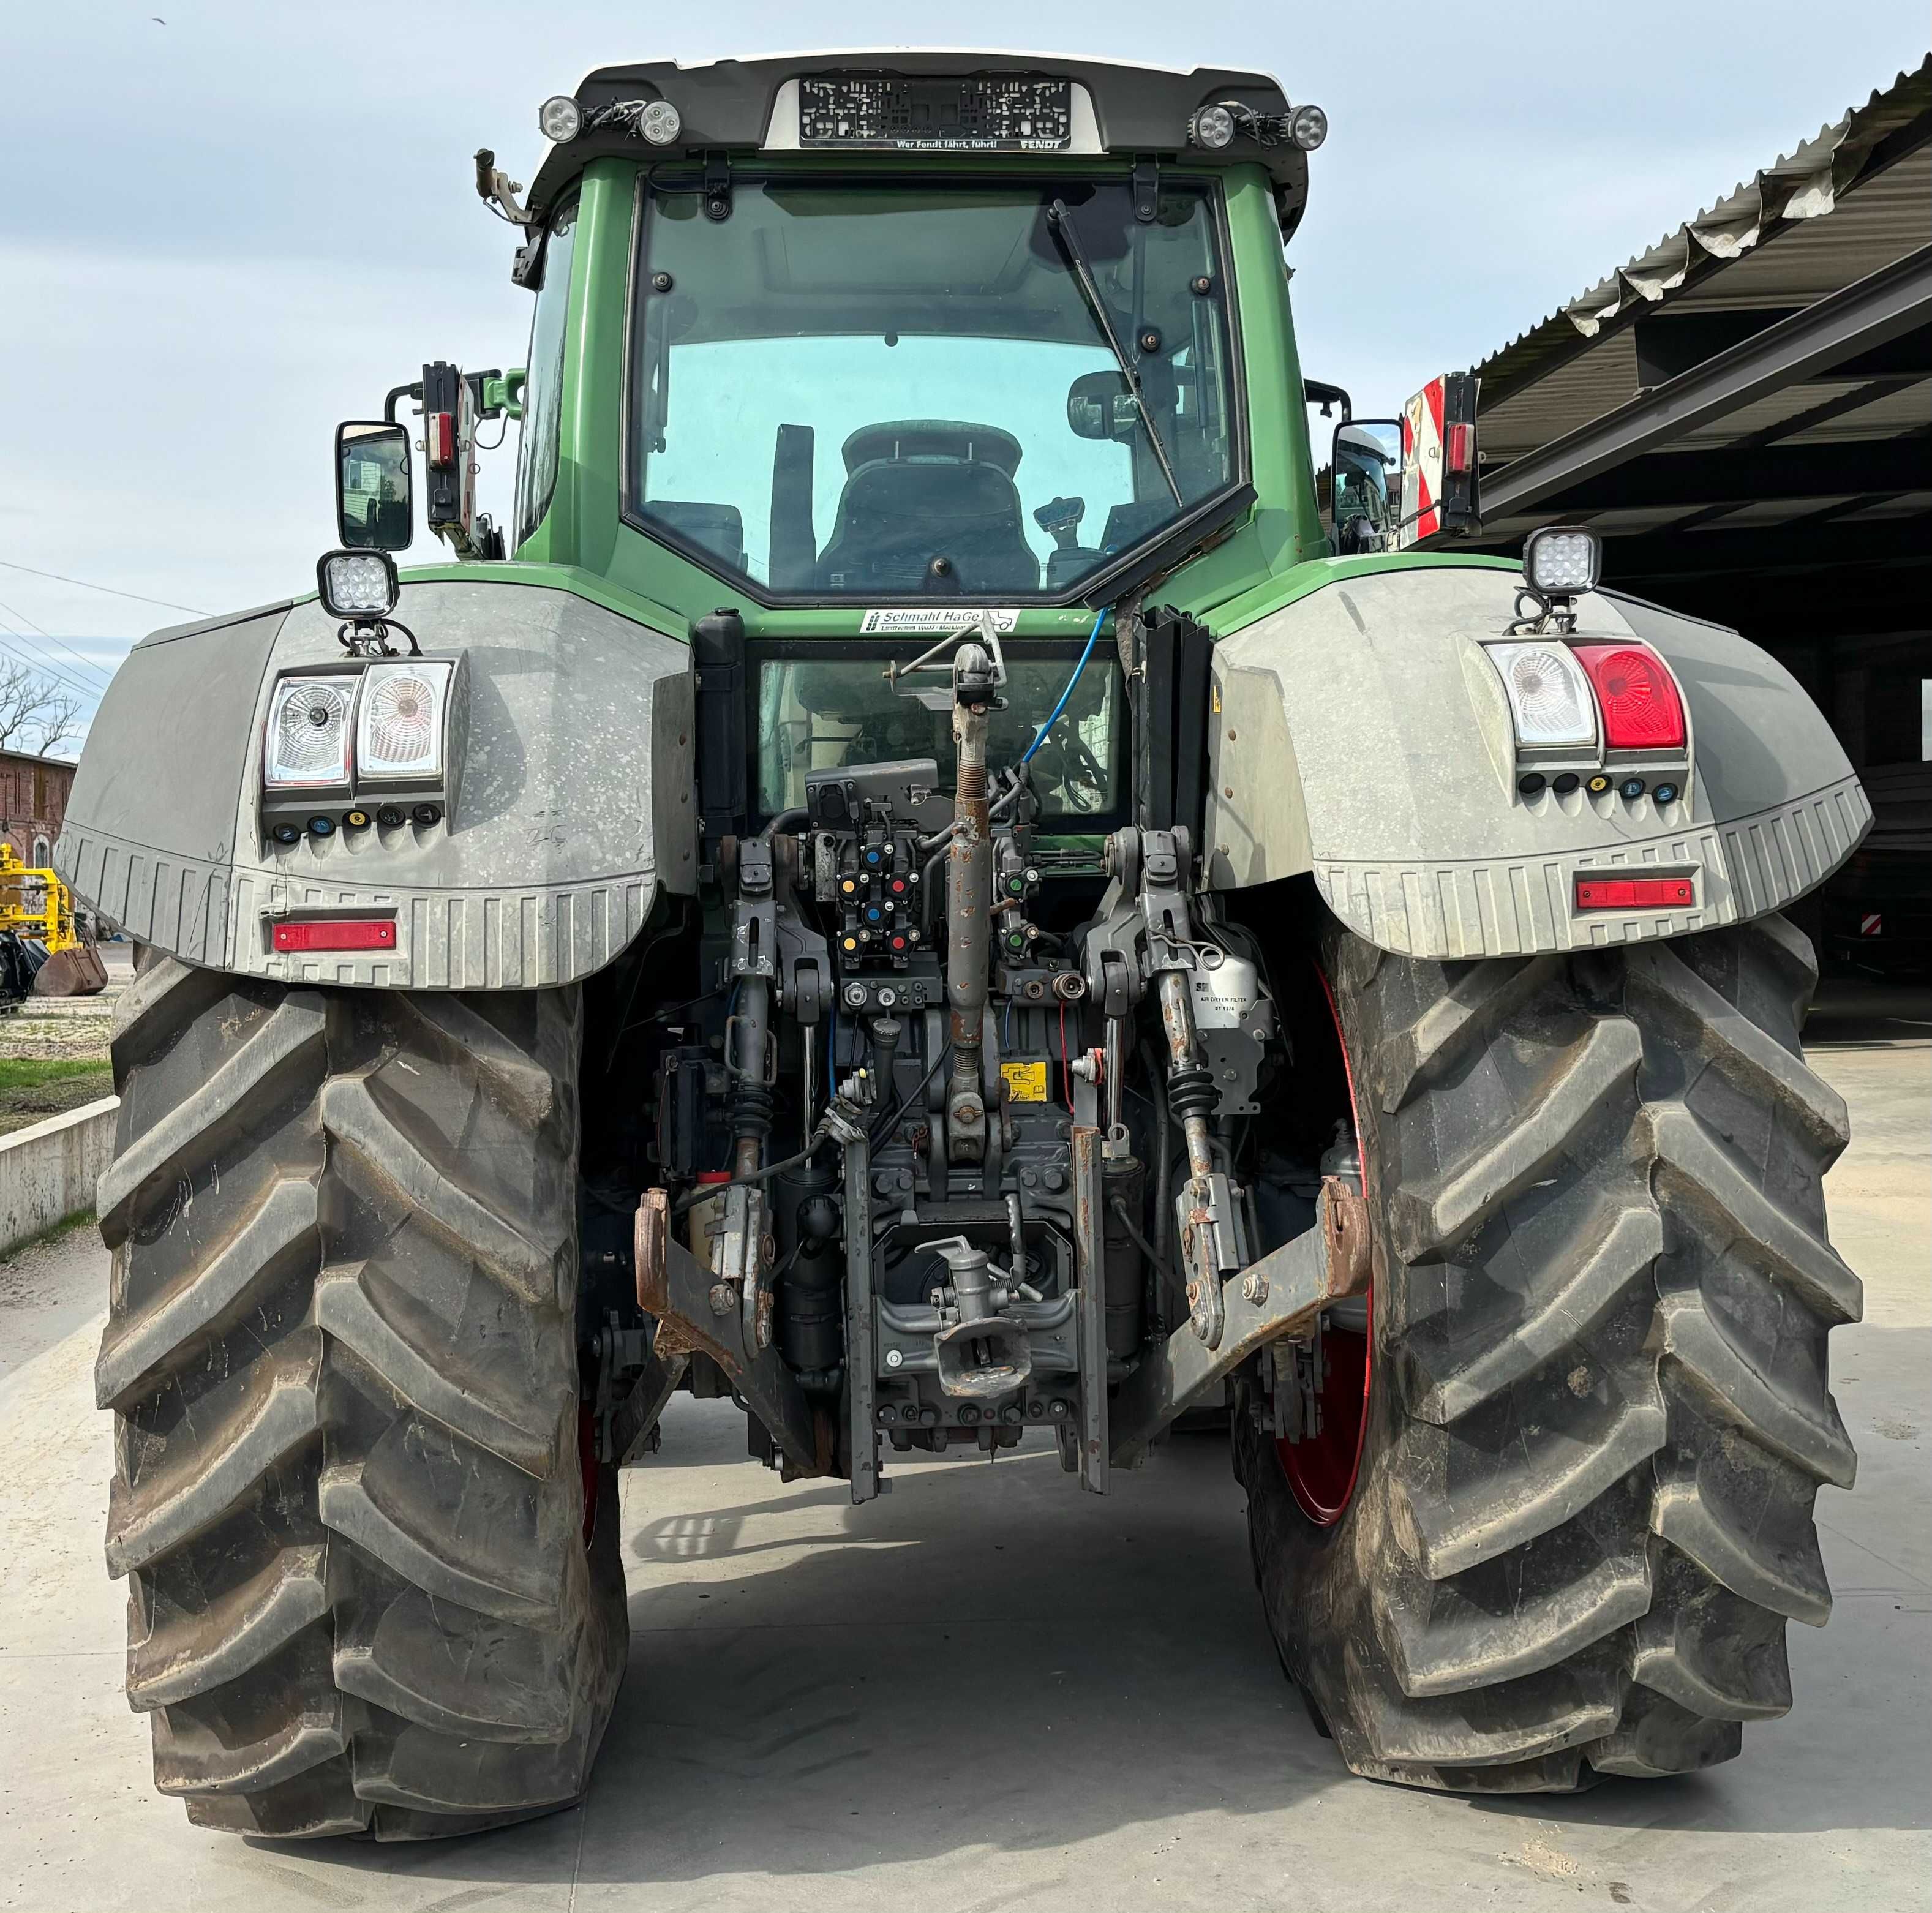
(35, 709)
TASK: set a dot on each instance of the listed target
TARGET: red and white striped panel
(1421, 465)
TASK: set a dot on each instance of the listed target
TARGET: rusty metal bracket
(1345, 1222)
(674, 1289)
(1280, 1296)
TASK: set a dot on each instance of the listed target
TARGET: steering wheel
(1081, 777)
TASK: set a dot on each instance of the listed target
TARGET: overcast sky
(223, 230)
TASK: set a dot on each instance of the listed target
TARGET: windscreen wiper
(1061, 222)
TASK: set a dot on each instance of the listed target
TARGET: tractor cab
(892, 331)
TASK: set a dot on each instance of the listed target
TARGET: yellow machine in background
(36, 907)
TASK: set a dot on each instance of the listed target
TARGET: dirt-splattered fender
(1360, 733)
(574, 800)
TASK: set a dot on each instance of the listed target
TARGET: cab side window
(543, 396)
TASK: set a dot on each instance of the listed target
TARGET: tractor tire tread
(1599, 1415)
(341, 1353)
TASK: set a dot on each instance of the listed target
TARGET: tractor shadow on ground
(968, 1662)
(1008, 1664)
(1013, 1664)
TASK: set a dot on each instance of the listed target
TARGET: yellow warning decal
(1026, 1082)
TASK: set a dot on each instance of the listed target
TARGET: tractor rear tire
(374, 1584)
(1596, 1416)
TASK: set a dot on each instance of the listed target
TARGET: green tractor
(912, 888)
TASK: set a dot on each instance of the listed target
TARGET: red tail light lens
(1638, 697)
(1634, 893)
(365, 933)
(439, 437)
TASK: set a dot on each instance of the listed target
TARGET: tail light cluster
(354, 744)
(1606, 717)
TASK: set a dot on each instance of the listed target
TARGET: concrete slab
(993, 1692)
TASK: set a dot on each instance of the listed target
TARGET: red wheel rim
(1321, 1468)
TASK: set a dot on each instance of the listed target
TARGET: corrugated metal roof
(1846, 178)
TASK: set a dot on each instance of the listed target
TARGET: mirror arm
(1318, 392)
(498, 190)
(414, 392)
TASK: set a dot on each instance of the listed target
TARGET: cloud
(221, 238)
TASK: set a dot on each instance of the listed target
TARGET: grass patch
(85, 1218)
(32, 1088)
(29, 1072)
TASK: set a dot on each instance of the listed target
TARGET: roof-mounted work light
(559, 119)
(1212, 127)
(659, 123)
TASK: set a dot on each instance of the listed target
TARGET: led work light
(1212, 127)
(1562, 561)
(559, 119)
(357, 584)
(660, 123)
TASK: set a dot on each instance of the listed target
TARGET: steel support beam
(1880, 307)
(1738, 475)
(1763, 551)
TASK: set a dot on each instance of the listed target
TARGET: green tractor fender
(563, 805)
(1361, 733)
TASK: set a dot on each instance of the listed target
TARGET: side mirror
(1366, 462)
(372, 487)
(1099, 405)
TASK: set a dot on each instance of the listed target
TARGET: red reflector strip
(354, 933)
(1633, 892)
(439, 437)
(1460, 449)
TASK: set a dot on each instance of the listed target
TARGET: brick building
(33, 803)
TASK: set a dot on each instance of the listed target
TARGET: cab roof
(742, 106)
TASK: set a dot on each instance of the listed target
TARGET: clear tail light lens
(1641, 710)
(1549, 697)
(307, 741)
(399, 724)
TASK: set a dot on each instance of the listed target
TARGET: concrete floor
(984, 1693)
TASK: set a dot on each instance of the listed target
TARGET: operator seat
(918, 488)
